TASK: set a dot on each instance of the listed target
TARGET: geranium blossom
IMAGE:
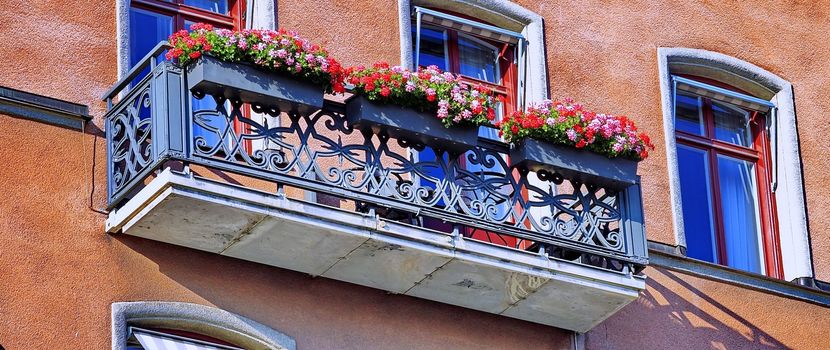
(571, 124)
(429, 89)
(280, 51)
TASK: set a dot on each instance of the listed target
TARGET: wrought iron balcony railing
(157, 123)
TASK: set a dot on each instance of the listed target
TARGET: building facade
(131, 221)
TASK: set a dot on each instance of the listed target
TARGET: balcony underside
(358, 248)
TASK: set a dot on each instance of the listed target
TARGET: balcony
(302, 190)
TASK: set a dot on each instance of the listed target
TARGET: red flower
(430, 98)
(514, 129)
(491, 114)
(384, 91)
(581, 144)
(195, 54)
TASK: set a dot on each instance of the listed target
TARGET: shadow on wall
(662, 318)
(321, 313)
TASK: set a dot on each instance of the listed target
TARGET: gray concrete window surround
(262, 13)
(789, 196)
(501, 13)
(195, 318)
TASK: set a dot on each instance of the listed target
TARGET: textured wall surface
(679, 311)
(604, 53)
(59, 272)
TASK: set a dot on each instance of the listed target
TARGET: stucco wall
(605, 54)
(59, 272)
(680, 311)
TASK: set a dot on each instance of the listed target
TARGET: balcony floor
(358, 248)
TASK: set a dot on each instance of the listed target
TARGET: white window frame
(210, 321)
(787, 176)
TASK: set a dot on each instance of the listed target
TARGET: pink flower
(571, 134)
(550, 122)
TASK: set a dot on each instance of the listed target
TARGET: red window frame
(760, 155)
(181, 12)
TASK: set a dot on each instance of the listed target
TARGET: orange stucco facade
(59, 271)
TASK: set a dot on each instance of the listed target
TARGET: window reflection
(696, 196)
(689, 114)
(433, 48)
(478, 59)
(732, 124)
(740, 213)
(146, 30)
(218, 6)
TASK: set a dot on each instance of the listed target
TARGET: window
(163, 339)
(481, 54)
(153, 325)
(723, 155)
(152, 21)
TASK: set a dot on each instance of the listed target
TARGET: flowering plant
(280, 51)
(427, 90)
(571, 124)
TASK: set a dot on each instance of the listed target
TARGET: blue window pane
(732, 124)
(433, 48)
(688, 115)
(208, 124)
(478, 59)
(218, 6)
(696, 195)
(146, 30)
(433, 173)
(740, 214)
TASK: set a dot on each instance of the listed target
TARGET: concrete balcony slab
(359, 248)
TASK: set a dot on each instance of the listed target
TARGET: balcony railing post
(169, 126)
(110, 163)
(633, 223)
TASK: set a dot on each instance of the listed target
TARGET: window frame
(181, 12)
(506, 88)
(209, 321)
(186, 336)
(759, 154)
(508, 64)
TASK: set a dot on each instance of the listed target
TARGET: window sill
(673, 258)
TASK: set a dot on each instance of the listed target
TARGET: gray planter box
(254, 85)
(409, 124)
(576, 164)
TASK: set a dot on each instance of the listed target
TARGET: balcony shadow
(677, 321)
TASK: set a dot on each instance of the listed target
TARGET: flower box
(575, 164)
(243, 81)
(409, 124)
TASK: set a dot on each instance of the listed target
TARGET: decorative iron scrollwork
(130, 132)
(478, 186)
